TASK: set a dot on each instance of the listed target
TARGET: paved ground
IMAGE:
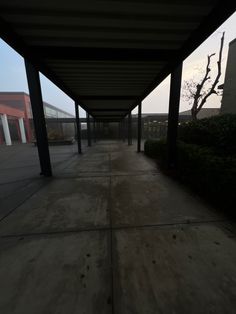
(110, 234)
(19, 169)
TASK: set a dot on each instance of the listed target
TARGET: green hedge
(210, 175)
(206, 158)
(155, 148)
(218, 132)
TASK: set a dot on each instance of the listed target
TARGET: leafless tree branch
(196, 92)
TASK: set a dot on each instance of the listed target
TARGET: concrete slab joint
(112, 234)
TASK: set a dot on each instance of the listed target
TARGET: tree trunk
(194, 114)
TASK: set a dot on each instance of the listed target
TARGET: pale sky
(158, 100)
(13, 76)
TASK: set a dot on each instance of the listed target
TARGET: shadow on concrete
(110, 234)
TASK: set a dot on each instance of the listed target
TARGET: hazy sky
(157, 101)
(13, 76)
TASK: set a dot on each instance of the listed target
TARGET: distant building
(229, 87)
(16, 117)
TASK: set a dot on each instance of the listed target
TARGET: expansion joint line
(111, 235)
(24, 200)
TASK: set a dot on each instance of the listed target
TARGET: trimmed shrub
(208, 174)
(212, 176)
(155, 148)
(218, 132)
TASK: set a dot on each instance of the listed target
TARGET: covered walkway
(111, 234)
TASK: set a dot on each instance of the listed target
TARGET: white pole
(22, 130)
(6, 129)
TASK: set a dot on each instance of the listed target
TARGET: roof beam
(108, 109)
(15, 41)
(109, 115)
(23, 25)
(109, 121)
(104, 54)
(105, 12)
(107, 97)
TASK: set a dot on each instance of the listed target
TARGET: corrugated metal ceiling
(108, 55)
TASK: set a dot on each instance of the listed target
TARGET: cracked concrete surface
(110, 234)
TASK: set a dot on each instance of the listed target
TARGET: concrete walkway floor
(111, 234)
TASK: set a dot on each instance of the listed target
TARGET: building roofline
(14, 93)
(232, 41)
(44, 102)
(59, 109)
(152, 113)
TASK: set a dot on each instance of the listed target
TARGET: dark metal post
(124, 130)
(78, 127)
(88, 130)
(175, 87)
(139, 127)
(130, 129)
(98, 130)
(94, 131)
(119, 130)
(39, 119)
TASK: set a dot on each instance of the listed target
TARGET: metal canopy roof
(109, 55)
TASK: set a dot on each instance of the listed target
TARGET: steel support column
(119, 130)
(94, 131)
(98, 131)
(130, 129)
(124, 130)
(88, 129)
(39, 119)
(78, 127)
(139, 134)
(173, 116)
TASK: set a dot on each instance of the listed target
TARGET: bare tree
(197, 93)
